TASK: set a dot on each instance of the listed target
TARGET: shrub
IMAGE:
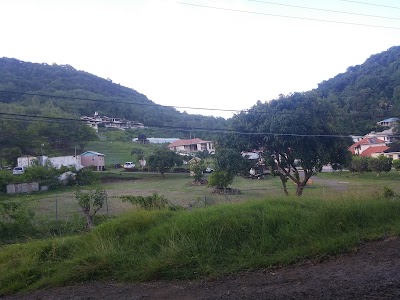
(220, 179)
(90, 203)
(380, 164)
(388, 193)
(86, 177)
(6, 177)
(396, 164)
(359, 164)
(152, 202)
(15, 222)
(197, 169)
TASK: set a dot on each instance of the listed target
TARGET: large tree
(164, 159)
(298, 133)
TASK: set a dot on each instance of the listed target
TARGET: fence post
(57, 225)
(107, 205)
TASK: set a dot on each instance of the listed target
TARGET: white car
(18, 170)
(129, 165)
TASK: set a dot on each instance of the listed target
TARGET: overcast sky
(224, 54)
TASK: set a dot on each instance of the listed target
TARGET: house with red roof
(368, 146)
(192, 145)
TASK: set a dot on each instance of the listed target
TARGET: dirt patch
(370, 271)
(199, 182)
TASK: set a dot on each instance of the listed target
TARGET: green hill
(41, 104)
(370, 91)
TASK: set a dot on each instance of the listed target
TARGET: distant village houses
(108, 122)
(376, 144)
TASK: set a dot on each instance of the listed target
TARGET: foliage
(6, 177)
(140, 155)
(86, 177)
(231, 161)
(388, 193)
(396, 164)
(64, 85)
(164, 159)
(359, 164)
(298, 129)
(380, 164)
(220, 179)
(152, 202)
(45, 175)
(15, 222)
(162, 244)
(90, 203)
(367, 92)
(197, 169)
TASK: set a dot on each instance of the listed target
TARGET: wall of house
(93, 160)
(26, 161)
(74, 161)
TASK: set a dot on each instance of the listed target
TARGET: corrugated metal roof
(89, 153)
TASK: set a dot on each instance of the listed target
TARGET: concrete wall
(22, 188)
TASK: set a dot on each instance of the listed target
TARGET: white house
(56, 162)
(192, 145)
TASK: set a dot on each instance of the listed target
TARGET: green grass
(207, 242)
(117, 152)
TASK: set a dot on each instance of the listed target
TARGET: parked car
(18, 170)
(129, 166)
(209, 170)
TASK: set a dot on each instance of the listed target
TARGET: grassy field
(205, 242)
(117, 152)
(213, 235)
(178, 190)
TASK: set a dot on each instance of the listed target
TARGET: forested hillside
(40, 103)
(35, 100)
(64, 81)
(368, 92)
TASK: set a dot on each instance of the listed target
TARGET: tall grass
(147, 245)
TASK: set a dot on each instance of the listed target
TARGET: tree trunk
(300, 189)
(89, 222)
(284, 180)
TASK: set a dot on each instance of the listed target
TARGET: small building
(93, 159)
(192, 145)
(390, 122)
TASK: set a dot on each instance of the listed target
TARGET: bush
(86, 177)
(359, 164)
(148, 202)
(220, 179)
(15, 222)
(6, 177)
(396, 164)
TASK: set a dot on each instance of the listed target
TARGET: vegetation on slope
(146, 245)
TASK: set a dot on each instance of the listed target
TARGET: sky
(221, 55)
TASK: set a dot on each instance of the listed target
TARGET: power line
(374, 115)
(213, 130)
(371, 4)
(325, 10)
(117, 102)
(289, 17)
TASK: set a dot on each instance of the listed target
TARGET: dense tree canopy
(296, 130)
(25, 83)
(164, 159)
